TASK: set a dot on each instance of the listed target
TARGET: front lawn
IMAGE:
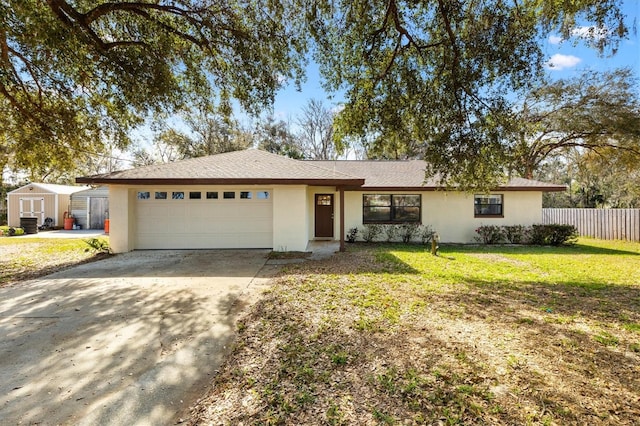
(478, 335)
(26, 258)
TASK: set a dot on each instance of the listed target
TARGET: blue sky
(568, 60)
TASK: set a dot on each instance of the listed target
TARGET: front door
(324, 215)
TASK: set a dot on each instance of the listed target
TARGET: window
(177, 195)
(324, 200)
(212, 195)
(229, 195)
(245, 195)
(161, 195)
(195, 195)
(262, 195)
(387, 208)
(143, 195)
(488, 205)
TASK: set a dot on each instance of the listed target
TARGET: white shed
(40, 200)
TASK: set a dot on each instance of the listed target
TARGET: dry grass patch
(26, 258)
(393, 335)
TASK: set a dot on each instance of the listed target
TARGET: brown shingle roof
(380, 173)
(238, 167)
(259, 167)
(529, 184)
(411, 175)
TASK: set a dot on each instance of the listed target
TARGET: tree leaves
(595, 111)
(436, 78)
(75, 74)
(430, 78)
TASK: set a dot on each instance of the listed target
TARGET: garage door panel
(151, 210)
(222, 226)
(199, 240)
(183, 224)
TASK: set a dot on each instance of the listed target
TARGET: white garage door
(187, 218)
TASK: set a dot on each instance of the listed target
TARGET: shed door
(32, 207)
(97, 212)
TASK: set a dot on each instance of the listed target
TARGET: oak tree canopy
(76, 73)
(439, 78)
(435, 78)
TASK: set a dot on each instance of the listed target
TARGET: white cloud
(554, 39)
(558, 62)
(337, 108)
(590, 33)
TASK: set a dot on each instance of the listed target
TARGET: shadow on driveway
(131, 339)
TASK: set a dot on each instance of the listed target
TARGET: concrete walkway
(60, 233)
(133, 339)
(322, 249)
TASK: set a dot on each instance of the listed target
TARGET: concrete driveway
(133, 339)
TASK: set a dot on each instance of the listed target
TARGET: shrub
(371, 232)
(490, 234)
(407, 231)
(391, 231)
(553, 235)
(515, 234)
(426, 234)
(352, 235)
(10, 231)
(98, 245)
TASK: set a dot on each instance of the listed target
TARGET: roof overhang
(554, 188)
(550, 188)
(356, 183)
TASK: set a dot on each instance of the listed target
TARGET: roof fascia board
(235, 181)
(440, 188)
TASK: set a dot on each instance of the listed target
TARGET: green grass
(590, 264)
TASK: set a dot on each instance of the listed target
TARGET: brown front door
(324, 215)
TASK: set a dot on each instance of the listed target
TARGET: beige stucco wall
(451, 213)
(121, 218)
(290, 218)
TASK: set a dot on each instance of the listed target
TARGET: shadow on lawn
(573, 328)
(577, 331)
(417, 372)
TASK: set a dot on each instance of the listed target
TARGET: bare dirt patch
(363, 339)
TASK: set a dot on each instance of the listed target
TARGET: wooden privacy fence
(606, 224)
